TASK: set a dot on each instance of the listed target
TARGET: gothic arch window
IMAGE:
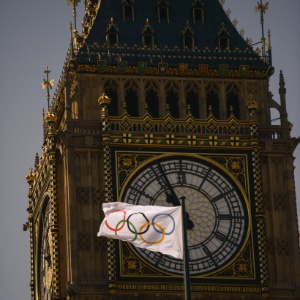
(232, 101)
(128, 9)
(212, 102)
(163, 10)
(148, 35)
(172, 99)
(192, 99)
(172, 104)
(192, 103)
(188, 37)
(113, 106)
(131, 98)
(112, 34)
(223, 38)
(233, 106)
(152, 103)
(152, 100)
(111, 90)
(198, 11)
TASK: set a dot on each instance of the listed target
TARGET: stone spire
(282, 93)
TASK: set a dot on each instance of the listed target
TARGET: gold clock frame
(240, 275)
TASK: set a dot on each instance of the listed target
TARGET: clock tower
(160, 99)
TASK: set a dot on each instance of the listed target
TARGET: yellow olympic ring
(162, 232)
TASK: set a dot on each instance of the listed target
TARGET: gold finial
(252, 105)
(262, 9)
(104, 99)
(51, 117)
(231, 111)
(75, 3)
(269, 39)
(30, 177)
(48, 84)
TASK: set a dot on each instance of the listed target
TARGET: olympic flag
(156, 228)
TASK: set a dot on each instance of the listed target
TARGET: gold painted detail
(182, 70)
(168, 125)
(172, 140)
(252, 105)
(51, 117)
(104, 99)
(128, 162)
(180, 132)
(30, 177)
(242, 267)
(213, 140)
(132, 266)
(170, 287)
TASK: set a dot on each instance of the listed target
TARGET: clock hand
(189, 222)
(172, 197)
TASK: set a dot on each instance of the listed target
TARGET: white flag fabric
(156, 228)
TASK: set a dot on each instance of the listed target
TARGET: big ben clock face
(217, 209)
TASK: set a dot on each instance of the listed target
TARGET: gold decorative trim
(171, 71)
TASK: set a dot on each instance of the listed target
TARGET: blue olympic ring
(167, 233)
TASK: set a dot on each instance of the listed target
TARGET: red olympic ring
(121, 227)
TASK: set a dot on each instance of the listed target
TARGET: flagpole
(187, 282)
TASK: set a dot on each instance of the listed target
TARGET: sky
(34, 34)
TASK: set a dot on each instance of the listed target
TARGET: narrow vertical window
(128, 9)
(188, 42)
(188, 37)
(148, 35)
(113, 106)
(172, 104)
(148, 40)
(212, 102)
(192, 102)
(198, 11)
(152, 103)
(112, 33)
(163, 7)
(233, 105)
(132, 104)
(223, 38)
(111, 39)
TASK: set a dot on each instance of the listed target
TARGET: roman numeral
(220, 236)
(204, 178)
(222, 195)
(209, 254)
(224, 217)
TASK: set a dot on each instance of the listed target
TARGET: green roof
(168, 34)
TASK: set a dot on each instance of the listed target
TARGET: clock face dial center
(201, 213)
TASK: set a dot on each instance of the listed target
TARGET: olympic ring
(126, 221)
(144, 228)
(153, 224)
(156, 242)
(131, 223)
(115, 229)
